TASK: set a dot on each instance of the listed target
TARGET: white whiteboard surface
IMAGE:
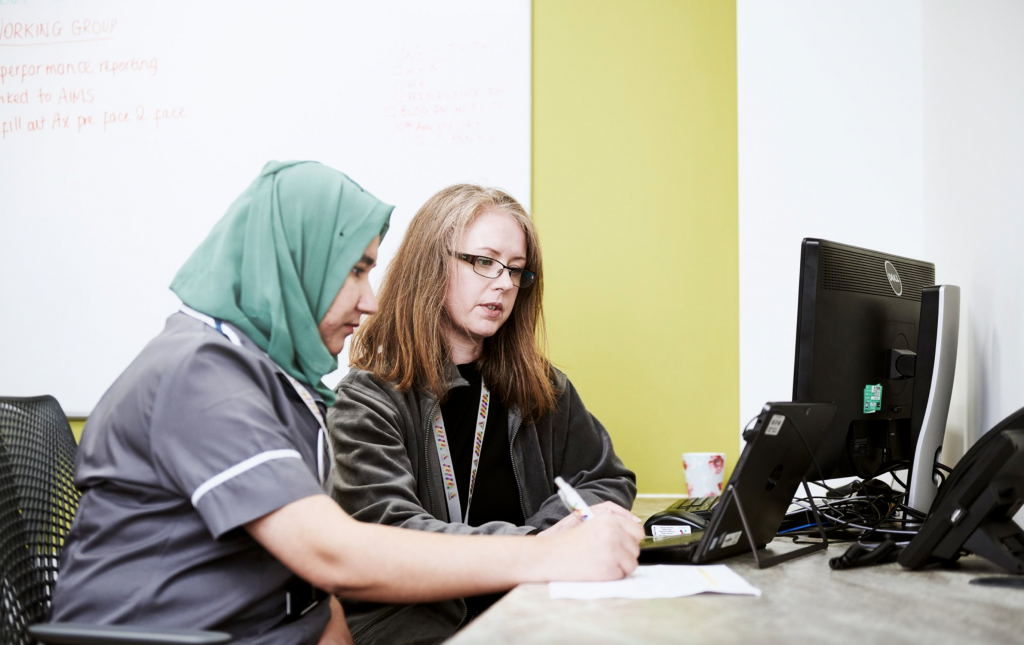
(98, 213)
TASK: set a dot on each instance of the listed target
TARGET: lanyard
(323, 440)
(445, 456)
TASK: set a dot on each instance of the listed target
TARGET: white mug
(704, 472)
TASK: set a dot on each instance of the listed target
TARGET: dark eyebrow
(368, 261)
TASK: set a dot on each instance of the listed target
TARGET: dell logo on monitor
(894, 278)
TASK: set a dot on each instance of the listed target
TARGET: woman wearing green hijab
(203, 468)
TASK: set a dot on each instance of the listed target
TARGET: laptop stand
(764, 563)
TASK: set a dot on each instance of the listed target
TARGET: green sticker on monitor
(872, 398)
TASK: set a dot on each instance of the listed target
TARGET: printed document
(660, 581)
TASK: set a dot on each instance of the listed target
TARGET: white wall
(974, 196)
(96, 219)
(830, 146)
(897, 126)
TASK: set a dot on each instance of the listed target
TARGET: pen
(572, 500)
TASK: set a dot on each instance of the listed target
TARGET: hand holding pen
(602, 533)
(572, 500)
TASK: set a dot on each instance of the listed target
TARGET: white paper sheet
(660, 581)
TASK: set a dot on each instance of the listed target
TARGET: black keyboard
(695, 504)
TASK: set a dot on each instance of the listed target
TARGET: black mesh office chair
(38, 500)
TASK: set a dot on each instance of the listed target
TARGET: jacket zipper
(366, 630)
(465, 612)
(515, 472)
(427, 442)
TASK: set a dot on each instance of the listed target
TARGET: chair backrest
(38, 500)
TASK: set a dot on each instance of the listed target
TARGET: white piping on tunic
(240, 468)
(322, 438)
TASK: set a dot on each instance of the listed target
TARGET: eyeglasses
(491, 268)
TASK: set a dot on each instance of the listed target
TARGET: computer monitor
(858, 327)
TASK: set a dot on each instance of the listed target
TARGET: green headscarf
(274, 263)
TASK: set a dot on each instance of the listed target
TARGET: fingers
(625, 525)
(632, 529)
(614, 509)
(609, 545)
(626, 544)
(638, 532)
(627, 566)
(626, 560)
(630, 544)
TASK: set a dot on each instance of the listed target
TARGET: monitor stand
(764, 563)
(937, 337)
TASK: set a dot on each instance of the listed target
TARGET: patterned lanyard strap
(323, 443)
(323, 440)
(445, 456)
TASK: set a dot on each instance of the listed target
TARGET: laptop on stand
(759, 492)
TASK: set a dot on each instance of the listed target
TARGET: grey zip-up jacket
(388, 472)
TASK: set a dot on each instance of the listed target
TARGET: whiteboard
(127, 129)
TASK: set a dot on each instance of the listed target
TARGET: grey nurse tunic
(197, 437)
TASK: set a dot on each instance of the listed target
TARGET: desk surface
(802, 601)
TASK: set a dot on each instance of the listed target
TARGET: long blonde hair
(404, 342)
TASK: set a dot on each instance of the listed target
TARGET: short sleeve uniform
(199, 436)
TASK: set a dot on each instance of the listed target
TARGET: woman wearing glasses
(205, 465)
(452, 419)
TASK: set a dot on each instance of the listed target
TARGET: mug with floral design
(704, 472)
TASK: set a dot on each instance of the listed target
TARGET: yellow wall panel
(77, 425)
(635, 195)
